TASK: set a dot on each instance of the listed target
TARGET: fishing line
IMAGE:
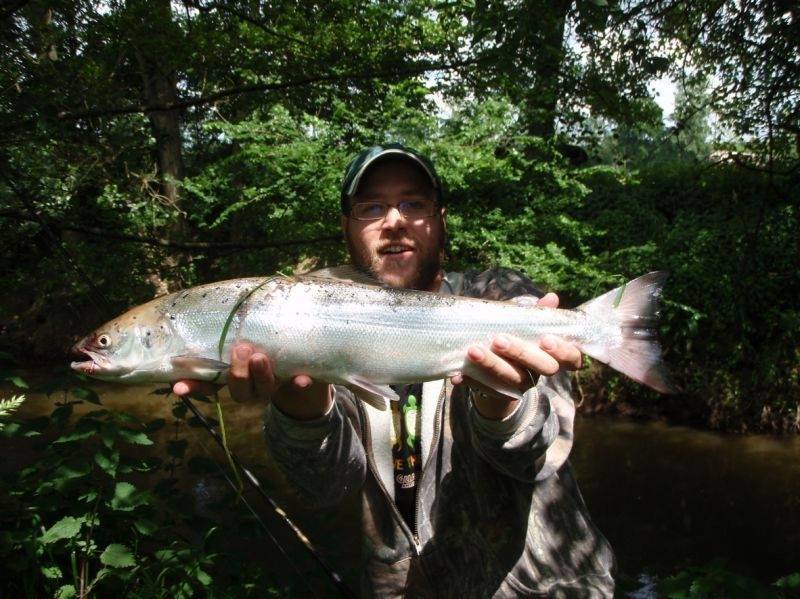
(254, 482)
(247, 503)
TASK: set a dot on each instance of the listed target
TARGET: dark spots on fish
(171, 317)
(204, 294)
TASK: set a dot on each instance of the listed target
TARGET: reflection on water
(665, 496)
(670, 496)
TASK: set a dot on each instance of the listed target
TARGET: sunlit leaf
(117, 556)
(135, 437)
(66, 592)
(66, 528)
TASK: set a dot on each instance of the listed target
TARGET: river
(666, 497)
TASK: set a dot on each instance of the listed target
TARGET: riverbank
(598, 392)
(667, 497)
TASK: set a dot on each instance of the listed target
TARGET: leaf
(792, 581)
(51, 572)
(145, 464)
(66, 592)
(86, 394)
(177, 448)
(179, 411)
(127, 497)
(75, 468)
(117, 556)
(145, 526)
(17, 381)
(134, 437)
(161, 391)
(202, 577)
(66, 528)
(108, 460)
(74, 436)
(62, 413)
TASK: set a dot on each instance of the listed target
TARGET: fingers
(498, 368)
(527, 356)
(250, 378)
(565, 353)
(261, 376)
(511, 361)
(192, 387)
(550, 300)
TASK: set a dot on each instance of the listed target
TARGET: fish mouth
(90, 364)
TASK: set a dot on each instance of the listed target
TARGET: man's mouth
(396, 249)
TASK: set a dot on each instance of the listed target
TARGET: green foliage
(92, 515)
(715, 580)
(243, 177)
(8, 406)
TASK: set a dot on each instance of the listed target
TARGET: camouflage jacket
(498, 512)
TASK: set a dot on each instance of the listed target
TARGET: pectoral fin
(525, 301)
(203, 369)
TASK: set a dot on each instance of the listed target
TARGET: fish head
(130, 348)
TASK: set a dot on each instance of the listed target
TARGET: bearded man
(466, 491)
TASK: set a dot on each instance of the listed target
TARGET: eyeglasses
(410, 209)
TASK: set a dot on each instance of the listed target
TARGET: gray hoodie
(498, 511)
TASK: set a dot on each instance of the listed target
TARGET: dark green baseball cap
(365, 158)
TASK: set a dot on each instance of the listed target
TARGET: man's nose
(394, 218)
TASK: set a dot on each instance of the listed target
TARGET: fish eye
(104, 340)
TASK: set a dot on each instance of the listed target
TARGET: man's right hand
(252, 380)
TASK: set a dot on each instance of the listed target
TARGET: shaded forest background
(150, 145)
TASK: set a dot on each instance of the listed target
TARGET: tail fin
(634, 307)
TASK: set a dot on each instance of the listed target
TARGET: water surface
(665, 496)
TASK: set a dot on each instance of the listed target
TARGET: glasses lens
(416, 208)
(368, 210)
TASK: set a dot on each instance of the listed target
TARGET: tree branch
(184, 246)
(66, 115)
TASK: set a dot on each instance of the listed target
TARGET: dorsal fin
(347, 273)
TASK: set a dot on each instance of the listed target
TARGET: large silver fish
(365, 336)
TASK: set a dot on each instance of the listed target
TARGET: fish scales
(343, 331)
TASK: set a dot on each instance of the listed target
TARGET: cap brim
(351, 189)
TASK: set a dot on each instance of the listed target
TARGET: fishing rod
(336, 579)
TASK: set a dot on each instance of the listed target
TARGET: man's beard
(430, 263)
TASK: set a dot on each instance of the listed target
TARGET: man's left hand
(516, 363)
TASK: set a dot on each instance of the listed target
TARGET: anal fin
(198, 367)
(378, 396)
(482, 377)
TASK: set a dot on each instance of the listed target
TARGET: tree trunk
(540, 101)
(160, 88)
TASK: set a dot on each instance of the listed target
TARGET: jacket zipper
(412, 535)
(373, 468)
(434, 440)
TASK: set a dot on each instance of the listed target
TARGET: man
(466, 492)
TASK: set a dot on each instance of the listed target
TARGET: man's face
(398, 252)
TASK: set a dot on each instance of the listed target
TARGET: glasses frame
(399, 206)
